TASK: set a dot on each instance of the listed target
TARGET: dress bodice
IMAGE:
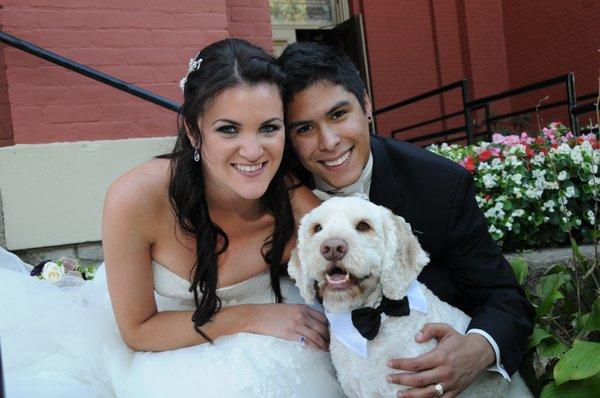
(257, 289)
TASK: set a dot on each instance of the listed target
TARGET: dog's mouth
(339, 278)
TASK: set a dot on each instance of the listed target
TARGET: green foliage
(580, 362)
(564, 348)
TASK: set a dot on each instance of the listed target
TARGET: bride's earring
(196, 156)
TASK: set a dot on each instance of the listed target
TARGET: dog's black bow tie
(367, 320)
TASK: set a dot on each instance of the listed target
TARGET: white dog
(355, 253)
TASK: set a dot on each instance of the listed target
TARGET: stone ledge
(540, 261)
(90, 253)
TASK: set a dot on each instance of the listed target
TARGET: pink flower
(69, 264)
(495, 151)
(526, 139)
(512, 140)
(498, 138)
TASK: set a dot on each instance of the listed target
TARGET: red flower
(485, 155)
(530, 152)
(487, 197)
(469, 164)
(539, 140)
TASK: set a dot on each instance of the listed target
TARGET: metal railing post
(488, 122)
(572, 103)
(467, 111)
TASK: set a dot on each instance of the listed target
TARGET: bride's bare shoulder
(144, 188)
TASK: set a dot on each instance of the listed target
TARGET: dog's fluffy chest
(396, 339)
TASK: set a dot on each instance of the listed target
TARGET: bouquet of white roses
(533, 190)
(59, 271)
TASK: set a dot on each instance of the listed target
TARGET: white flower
(517, 192)
(576, 156)
(563, 149)
(509, 226)
(517, 178)
(563, 175)
(518, 213)
(489, 181)
(591, 217)
(570, 192)
(52, 272)
(534, 193)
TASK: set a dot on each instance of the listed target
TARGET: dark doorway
(349, 36)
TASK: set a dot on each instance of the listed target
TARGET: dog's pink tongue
(337, 277)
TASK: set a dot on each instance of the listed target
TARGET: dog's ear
(403, 259)
(298, 272)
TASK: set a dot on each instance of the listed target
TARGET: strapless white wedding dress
(65, 343)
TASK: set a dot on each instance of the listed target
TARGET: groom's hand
(454, 362)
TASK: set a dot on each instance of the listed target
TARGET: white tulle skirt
(60, 342)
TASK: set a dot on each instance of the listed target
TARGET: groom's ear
(367, 102)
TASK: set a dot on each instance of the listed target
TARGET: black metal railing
(87, 71)
(468, 106)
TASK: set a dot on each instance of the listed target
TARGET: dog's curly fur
(382, 259)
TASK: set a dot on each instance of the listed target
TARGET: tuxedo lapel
(384, 188)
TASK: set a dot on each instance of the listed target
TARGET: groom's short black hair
(307, 63)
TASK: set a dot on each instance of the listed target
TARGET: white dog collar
(342, 328)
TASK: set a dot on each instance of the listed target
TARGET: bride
(195, 245)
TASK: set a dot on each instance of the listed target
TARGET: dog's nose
(334, 249)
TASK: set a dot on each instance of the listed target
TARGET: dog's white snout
(334, 249)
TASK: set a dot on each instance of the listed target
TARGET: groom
(328, 114)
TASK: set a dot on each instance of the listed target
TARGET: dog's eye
(363, 227)
(317, 228)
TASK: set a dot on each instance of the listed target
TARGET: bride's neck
(228, 206)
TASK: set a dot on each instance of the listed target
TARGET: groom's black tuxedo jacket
(467, 269)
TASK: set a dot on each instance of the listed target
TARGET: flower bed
(533, 190)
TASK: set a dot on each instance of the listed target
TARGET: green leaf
(575, 248)
(551, 349)
(580, 362)
(587, 388)
(537, 336)
(519, 266)
(593, 322)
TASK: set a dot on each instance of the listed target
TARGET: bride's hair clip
(193, 66)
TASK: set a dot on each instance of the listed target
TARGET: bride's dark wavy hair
(225, 64)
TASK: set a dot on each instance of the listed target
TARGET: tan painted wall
(52, 194)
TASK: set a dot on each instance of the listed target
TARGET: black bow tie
(367, 320)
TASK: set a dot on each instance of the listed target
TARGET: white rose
(52, 272)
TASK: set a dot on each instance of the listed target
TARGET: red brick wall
(6, 133)
(415, 47)
(144, 42)
(545, 39)
(250, 20)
